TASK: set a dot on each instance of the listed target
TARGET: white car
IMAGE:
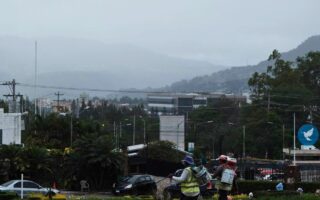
(28, 187)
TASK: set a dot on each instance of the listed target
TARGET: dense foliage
(287, 88)
(66, 148)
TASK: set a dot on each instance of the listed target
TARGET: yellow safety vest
(190, 186)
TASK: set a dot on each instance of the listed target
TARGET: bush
(297, 197)
(307, 187)
(254, 186)
(8, 195)
(275, 193)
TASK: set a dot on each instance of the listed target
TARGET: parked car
(173, 191)
(28, 187)
(142, 184)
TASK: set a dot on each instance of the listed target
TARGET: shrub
(253, 186)
(8, 195)
(307, 187)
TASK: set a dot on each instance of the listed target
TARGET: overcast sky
(225, 32)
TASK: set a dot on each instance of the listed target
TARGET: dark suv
(138, 184)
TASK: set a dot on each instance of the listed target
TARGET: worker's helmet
(188, 160)
(222, 158)
(231, 161)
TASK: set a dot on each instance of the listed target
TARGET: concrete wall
(10, 124)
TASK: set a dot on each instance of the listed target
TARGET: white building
(172, 129)
(10, 128)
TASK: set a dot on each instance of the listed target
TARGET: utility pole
(294, 139)
(268, 101)
(58, 99)
(71, 128)
(244, 142)
(144, 131)
(12, 86)
(283, 130)
(35, 76)
(134, 129)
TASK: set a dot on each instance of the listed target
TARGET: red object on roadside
(54, 186)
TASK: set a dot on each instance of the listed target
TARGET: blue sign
(308, 134)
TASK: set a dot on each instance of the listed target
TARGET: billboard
(172, 129)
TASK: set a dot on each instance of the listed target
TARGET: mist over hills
(85, 63)
(235, 79)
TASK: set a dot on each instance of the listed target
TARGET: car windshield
(6, 184)
(128, 179)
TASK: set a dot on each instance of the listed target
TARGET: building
(303, 156)
(10, 128)
(172, 129)
(178, 103)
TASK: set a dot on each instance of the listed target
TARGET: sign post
(308, 135)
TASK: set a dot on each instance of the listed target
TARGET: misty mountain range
(91, 64)
(83, 63)
(235, 79)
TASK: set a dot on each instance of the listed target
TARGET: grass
(298, 197)
(237, 197)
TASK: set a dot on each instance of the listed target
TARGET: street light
(120, 127)
(178, 125)
(283, 131)
(244, 141)
(71, 121)
(195, 127)
(144, 129)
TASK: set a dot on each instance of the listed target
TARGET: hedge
(8, 195)
(254, 186)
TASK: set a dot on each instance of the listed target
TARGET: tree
(95, 161)
(163, 150)
(4, 105)
(285, 88)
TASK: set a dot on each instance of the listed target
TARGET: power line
(12, 87)
(58, 99)
(104, 90)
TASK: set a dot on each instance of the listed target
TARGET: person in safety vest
(232, 164)
(225, 177)
(188, 183)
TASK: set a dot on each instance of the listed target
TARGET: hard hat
(188, 159)
(232, 160)
(223, 158)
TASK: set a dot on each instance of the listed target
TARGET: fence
(310, 173)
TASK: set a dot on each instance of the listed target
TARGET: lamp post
(144, 129)
(178, 125)
(244, 141)
(71, 123)
(120, 132)
(294, 139)
(195, 128)
(134, 129)
(283, 130)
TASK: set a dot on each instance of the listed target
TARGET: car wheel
(135, 192)
(167, 195)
